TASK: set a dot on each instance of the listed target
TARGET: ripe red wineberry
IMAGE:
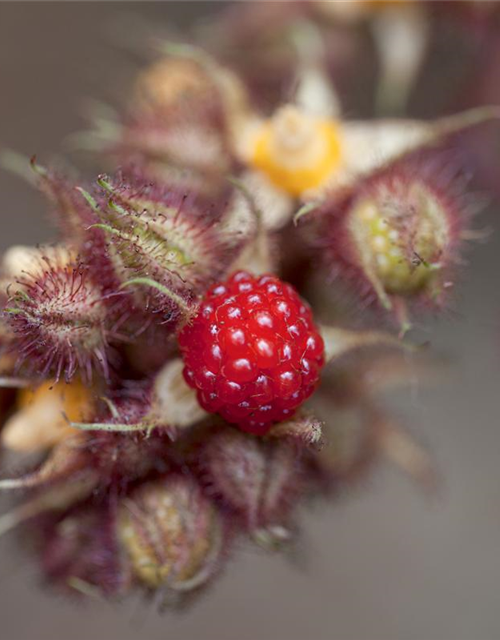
(252, 351)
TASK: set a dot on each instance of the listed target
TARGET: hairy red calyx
(159, 234)
(396, 234)
(257, 478)
(171, 533)
(61, 322)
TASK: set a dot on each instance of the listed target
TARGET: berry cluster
(252, 352)
(115, 342)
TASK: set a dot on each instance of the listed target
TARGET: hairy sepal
(62, 323)
(257, 478)
(159, 233)
(171, 534)
(396, 235)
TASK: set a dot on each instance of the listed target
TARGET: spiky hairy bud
(80, 551)
(396, 234)
(257, 478)
(123, 444)
(193, 87)
(127, 227)
(159, 234)
(61, 322)
(72, 214)
(179, 126)
(171, 534)
(114, 450)
(73, 210)
(146, 489)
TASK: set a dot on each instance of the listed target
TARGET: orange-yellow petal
(40, 421)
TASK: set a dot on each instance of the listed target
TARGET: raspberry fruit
(252, 351)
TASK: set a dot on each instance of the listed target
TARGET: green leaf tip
(304, 210)
(148, 282)
(103, 181)
(89, 198)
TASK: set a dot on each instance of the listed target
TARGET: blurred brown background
(382, 563)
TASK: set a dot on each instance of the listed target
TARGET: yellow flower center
(296, 151)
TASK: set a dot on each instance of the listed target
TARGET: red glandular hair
(157, 232)
(62, 323)
(257, 479)
(81, 548)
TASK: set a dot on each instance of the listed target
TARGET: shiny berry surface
(252, 352)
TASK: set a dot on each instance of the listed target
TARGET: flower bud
(395, 234)
(157, 233)
(193, 88)
(61, 321)
(72, 213)
(80, 552)
(257, 478)
(19, 260)
(184, 112)
(171, 534)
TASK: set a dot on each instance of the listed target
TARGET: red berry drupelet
(252, 351)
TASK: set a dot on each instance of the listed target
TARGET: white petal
(275, 205)
(38, 426)
(401, 37)
(175, 403)
(371, 144)
(368, 145)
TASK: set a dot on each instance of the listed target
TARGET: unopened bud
(171, 534)
(396, 233)
(60, 321)
(257, 478)
(79, 553)
(157, 233)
